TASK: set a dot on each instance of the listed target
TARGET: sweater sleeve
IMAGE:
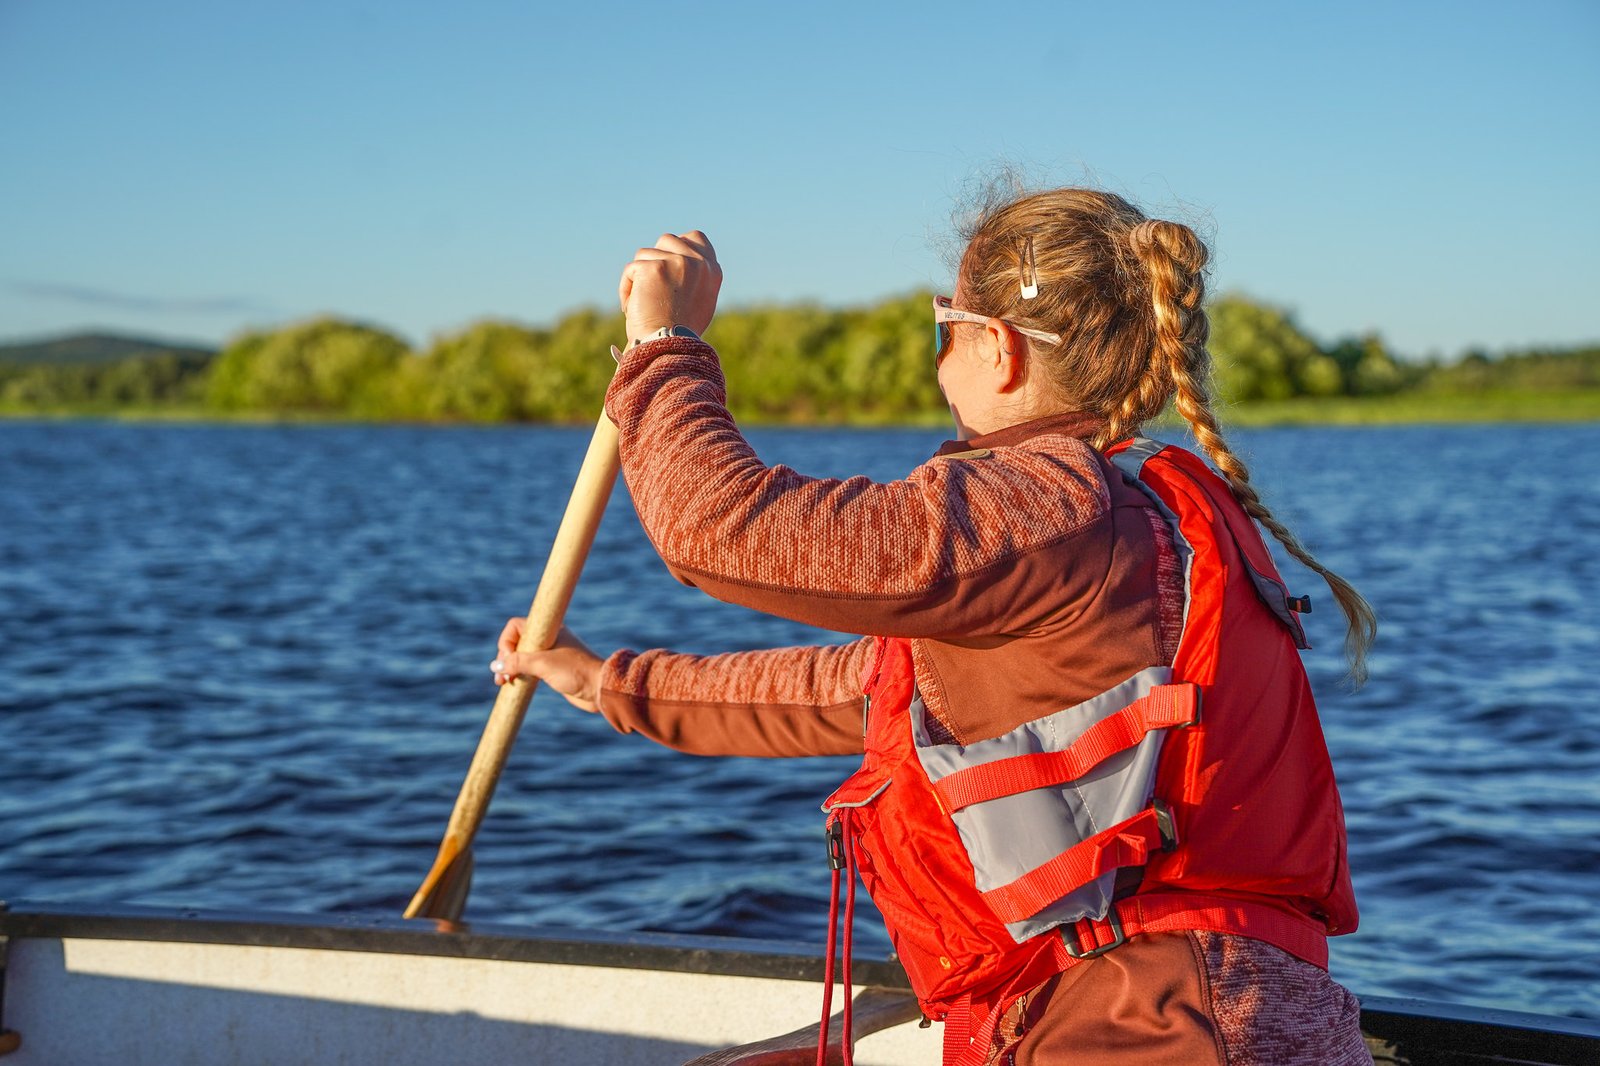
(782, 702)
(934, 555)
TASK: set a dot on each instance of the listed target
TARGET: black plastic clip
(1164, 822)
(835, 845)
(1299, 604)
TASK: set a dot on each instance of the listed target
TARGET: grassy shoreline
(1422, 408)
(1408, 408)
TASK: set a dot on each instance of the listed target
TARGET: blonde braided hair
(1127, 295)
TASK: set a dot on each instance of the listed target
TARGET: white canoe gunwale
(500, 942)
(89, 984)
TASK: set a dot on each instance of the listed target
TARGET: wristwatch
(665, 332)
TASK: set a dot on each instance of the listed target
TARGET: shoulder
(1038, 489)
(1050, 460)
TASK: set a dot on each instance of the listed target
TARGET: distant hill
(93, 349)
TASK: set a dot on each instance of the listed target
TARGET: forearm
(850, 555)
(782, 702)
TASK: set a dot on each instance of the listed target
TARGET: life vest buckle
(1069, 935)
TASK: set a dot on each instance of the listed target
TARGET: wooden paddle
(874, 1009)
(444, 891)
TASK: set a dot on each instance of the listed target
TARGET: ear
(1009, 352)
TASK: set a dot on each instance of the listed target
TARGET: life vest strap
(958, 1028)
(1173, 912)
(1162, 707)
(1128, 843)
(1165, 912)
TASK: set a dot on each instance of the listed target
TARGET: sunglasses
(944, 314)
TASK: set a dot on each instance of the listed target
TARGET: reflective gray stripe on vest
(1275, 595)
(1131, 459)
(1007, 837)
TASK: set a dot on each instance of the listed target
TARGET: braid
(1126, 294)
(1175, 259)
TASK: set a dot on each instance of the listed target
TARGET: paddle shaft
(436, 898)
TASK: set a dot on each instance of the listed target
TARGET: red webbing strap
(1176, 912)
(1160, 708)
(1128, 843)
(958, 1030)
(1165, 912)
(969, 1044)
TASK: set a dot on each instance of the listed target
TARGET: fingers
(511, 636)
(533, 665)
(569, 668)
(568, 665)
(508, 667)
(672, 247)
(511, 640)
(701, 243)
(509, 663)
(694, 244)
(670, 260)
(655, 264)
(691, 245)
(674, 283)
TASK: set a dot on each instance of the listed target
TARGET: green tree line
(795, 363)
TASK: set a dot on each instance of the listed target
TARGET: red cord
(827, 971)
(849, 931)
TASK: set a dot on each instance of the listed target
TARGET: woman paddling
(1096, 809)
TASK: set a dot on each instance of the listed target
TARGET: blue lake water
(245, 667)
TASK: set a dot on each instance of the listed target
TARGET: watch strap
(664, 332)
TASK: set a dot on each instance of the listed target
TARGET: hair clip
(1030, 271)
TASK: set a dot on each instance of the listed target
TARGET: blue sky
(191, 169)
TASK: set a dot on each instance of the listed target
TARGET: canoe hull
(183, 988)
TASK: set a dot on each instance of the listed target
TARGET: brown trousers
(1188, 999)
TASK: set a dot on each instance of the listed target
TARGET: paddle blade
(445, 896)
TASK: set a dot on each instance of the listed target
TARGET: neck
(1006, 411)
(1071, 423)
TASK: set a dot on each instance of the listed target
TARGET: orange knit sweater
(1028, 573)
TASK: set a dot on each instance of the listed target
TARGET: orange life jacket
(1197, 797)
